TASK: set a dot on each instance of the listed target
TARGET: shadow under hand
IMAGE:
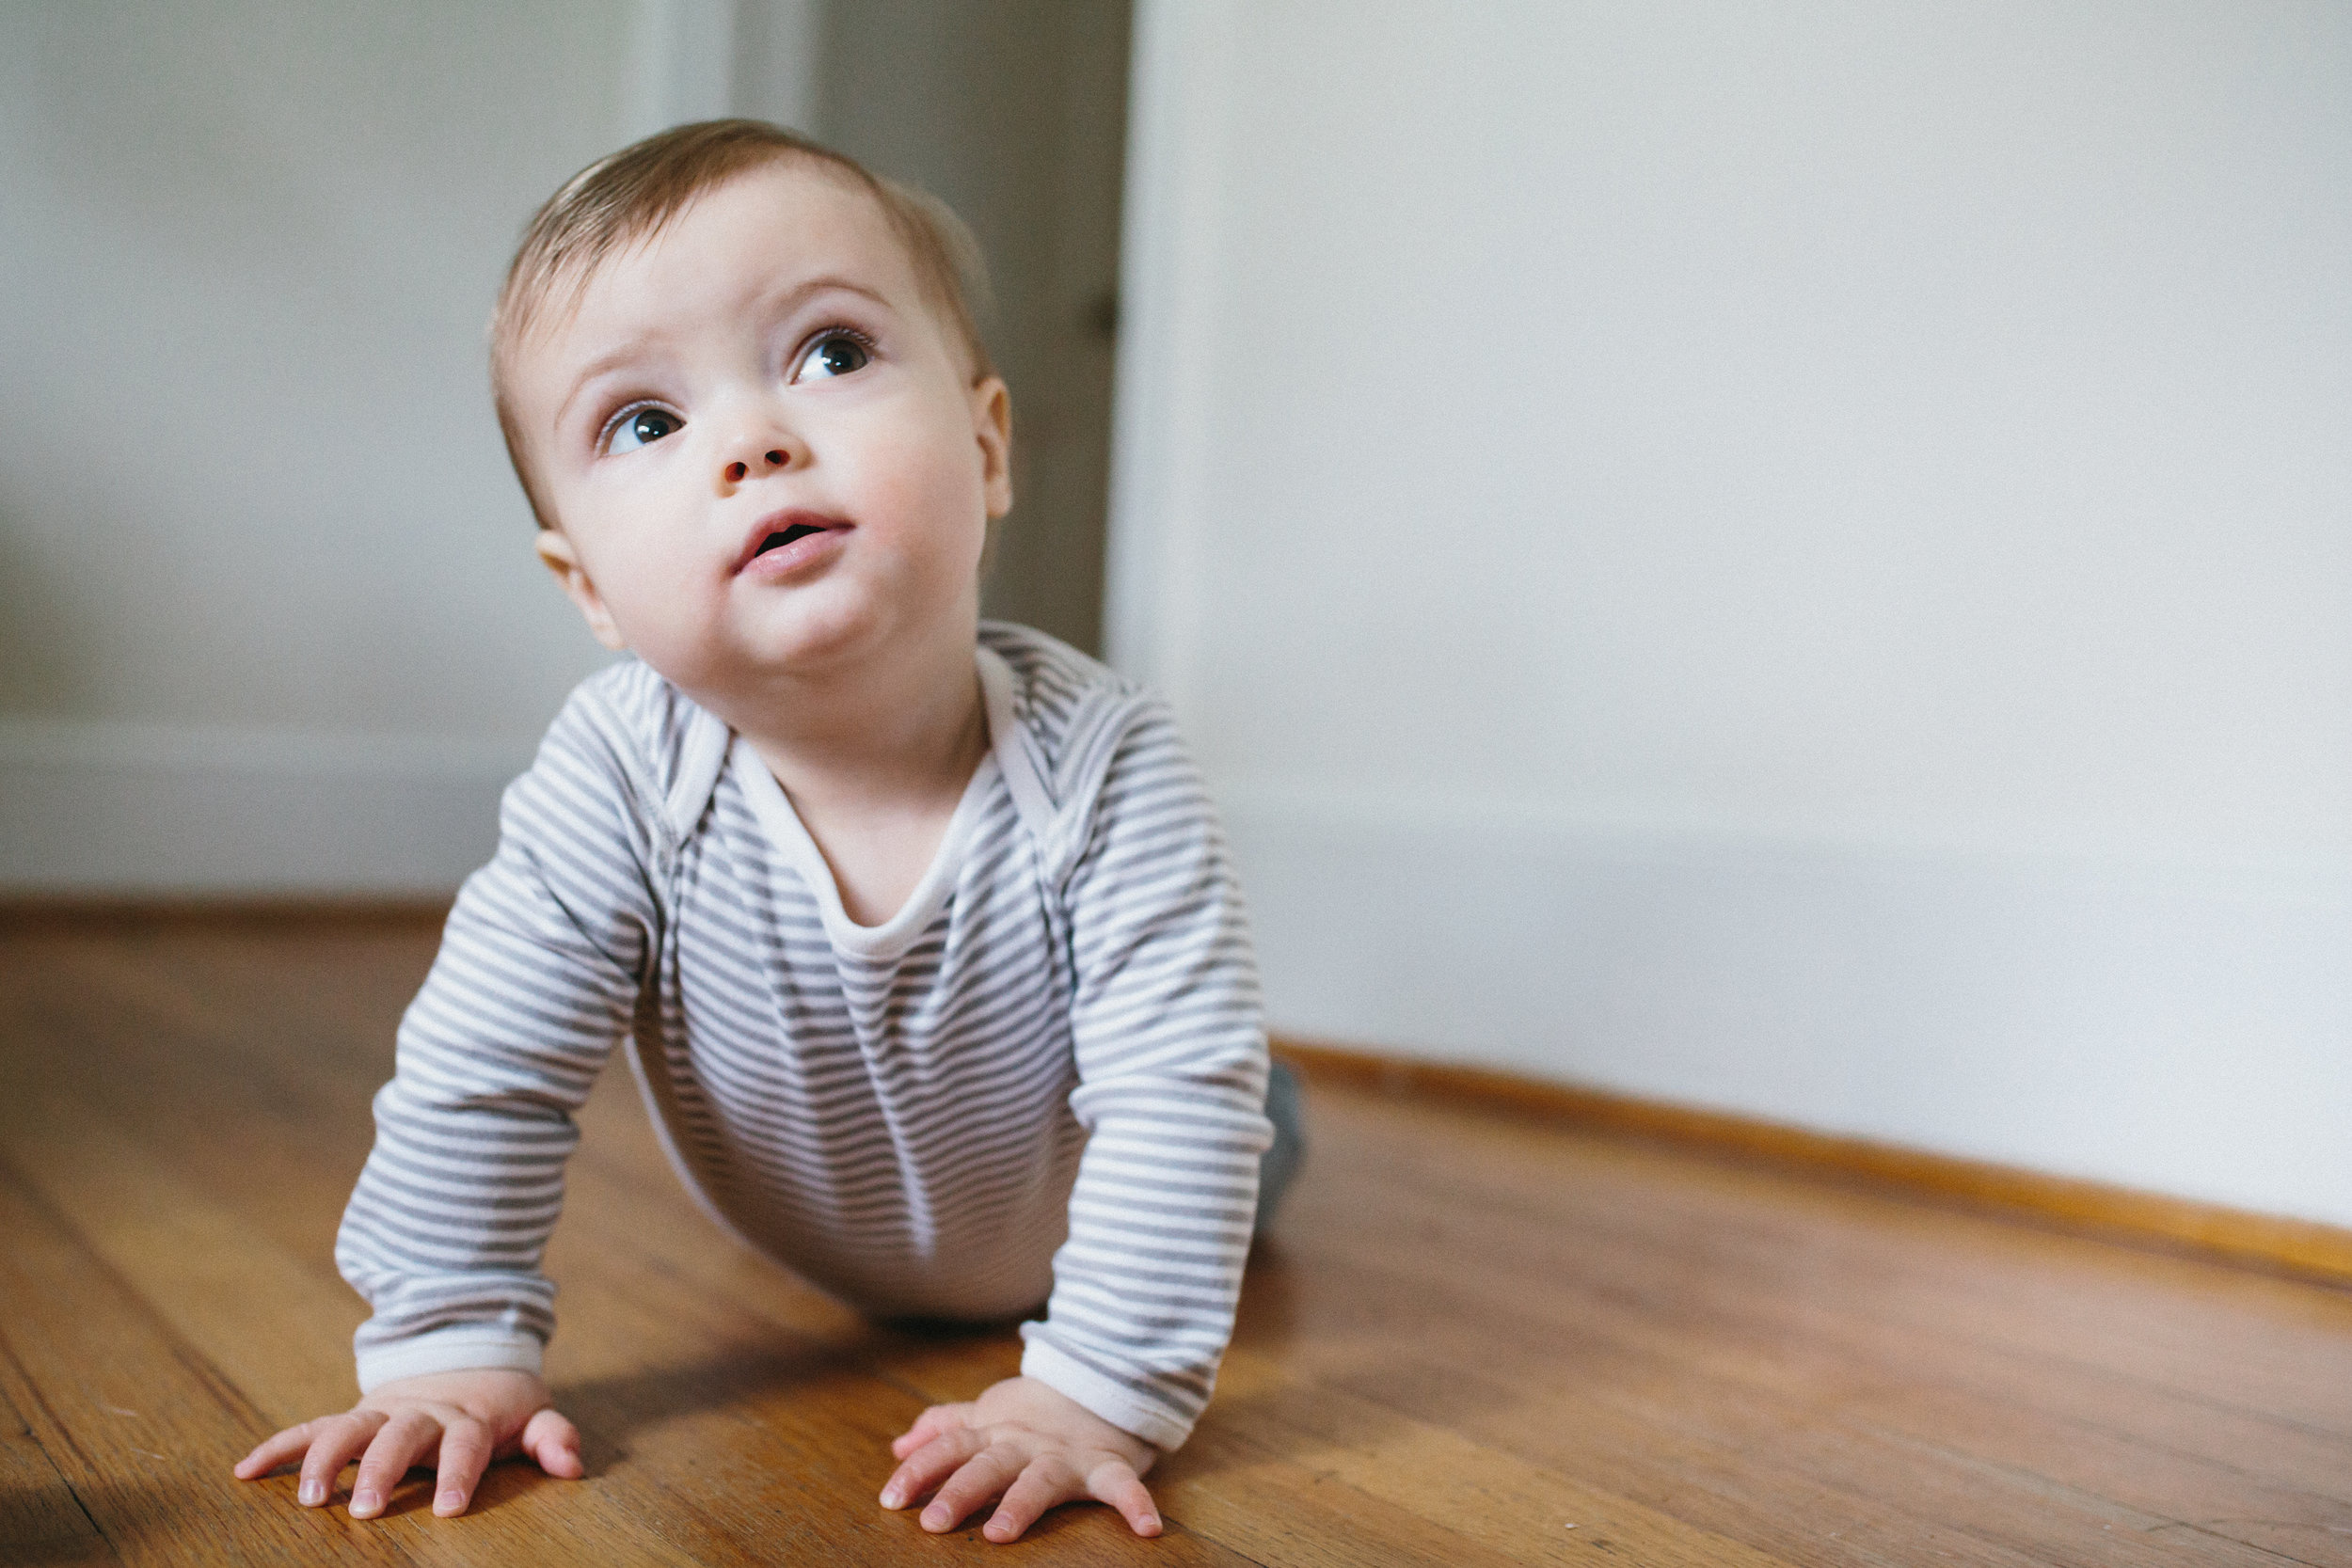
(608, 1410)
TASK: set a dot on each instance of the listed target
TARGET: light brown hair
(632, 195)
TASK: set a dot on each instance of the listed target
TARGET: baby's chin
(822, 636)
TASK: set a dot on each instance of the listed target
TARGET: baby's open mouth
(777, 540)
(782, 530)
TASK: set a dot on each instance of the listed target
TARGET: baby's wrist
(460, 1348)
(1106, 1400)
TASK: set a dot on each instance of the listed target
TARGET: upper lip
(781, 522)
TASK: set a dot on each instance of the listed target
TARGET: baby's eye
(834, 353)
(641, 427)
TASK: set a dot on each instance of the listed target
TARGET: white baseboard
(141, 809)
(2177, 1029)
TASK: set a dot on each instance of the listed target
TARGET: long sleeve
(537, 976)
(1171, 1047)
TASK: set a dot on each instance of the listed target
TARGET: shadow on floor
(608, 1410)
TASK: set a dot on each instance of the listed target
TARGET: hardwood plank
(135, 1420)
(274, 1324)
(1751, 1233)
(1643, 1340)
(177, 1070)
(1838, 1273)
(40, 1519)
(1525, 1512)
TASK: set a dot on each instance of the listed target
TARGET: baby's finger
(1048, 1480)
(982, 1477)
(928, 1465)
(465, 1454)
(938, 1419)
(274, 1451)
(402, 1443)
(1115, 1481)
(554, 1442)
(335, 1442)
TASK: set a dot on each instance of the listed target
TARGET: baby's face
(764, 450)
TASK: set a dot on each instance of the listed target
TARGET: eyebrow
(784, 304)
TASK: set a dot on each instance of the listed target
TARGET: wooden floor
(1471, 1340)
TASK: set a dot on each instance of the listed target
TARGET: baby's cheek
(671, 619)
(938, 474)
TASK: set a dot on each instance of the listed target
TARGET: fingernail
(450, 1502)
(891, 1497)
(313, 1492)
(365, 1502)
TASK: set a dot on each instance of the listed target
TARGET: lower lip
(809, 550)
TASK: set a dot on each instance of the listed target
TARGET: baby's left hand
(1033, 1444)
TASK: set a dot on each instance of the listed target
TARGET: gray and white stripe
(1042, 1081)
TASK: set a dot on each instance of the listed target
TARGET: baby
(919, 930)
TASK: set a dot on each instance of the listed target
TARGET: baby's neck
(875, 769)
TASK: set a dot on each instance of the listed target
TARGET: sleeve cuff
(465, 1348)
(1106, 1397)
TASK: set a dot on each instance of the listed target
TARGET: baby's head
(740, 381)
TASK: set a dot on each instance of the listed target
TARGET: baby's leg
(1279, 1163)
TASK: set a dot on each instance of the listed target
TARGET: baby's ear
(992, 421)
(562, 558)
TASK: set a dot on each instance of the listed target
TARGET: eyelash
(838, 330)
(800, 356)
(626, 411)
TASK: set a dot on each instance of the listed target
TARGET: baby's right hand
(474, 1416)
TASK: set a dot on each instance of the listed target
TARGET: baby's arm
(462, 1420)
(1171, 1059)
(536, 979)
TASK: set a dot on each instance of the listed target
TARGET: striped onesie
(1042, 1081)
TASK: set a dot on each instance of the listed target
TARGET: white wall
(269, 616)
(1795, 558)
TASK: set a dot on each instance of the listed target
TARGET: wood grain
(1470, 1330)
(40, 1519)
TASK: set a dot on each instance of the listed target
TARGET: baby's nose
(774, 457)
